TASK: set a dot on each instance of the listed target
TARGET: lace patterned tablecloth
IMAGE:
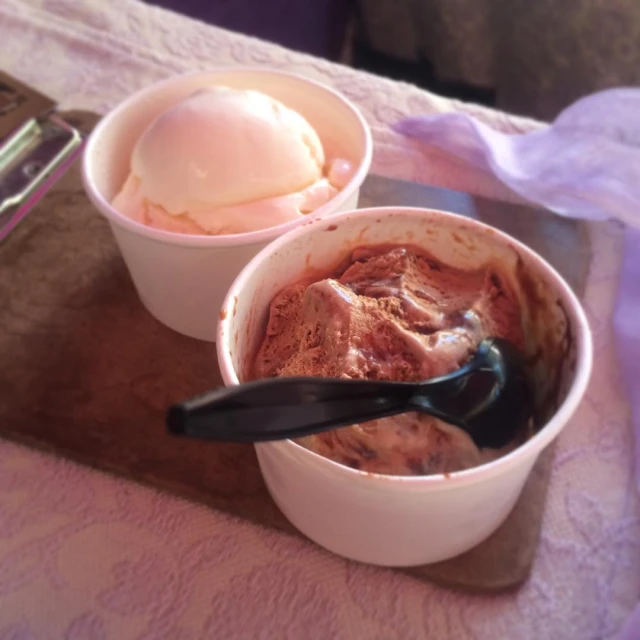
(88, 556)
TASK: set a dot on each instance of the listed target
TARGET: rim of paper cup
(228, 240)
(547, 432)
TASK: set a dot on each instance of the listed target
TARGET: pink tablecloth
(84, 555)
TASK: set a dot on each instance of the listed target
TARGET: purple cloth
(631, 628)
(584, 165)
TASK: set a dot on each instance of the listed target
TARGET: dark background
(530, 57)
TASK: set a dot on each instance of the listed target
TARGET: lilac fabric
(631, 628)
(584, 165)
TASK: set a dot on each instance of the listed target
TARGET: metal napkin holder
(36, 148)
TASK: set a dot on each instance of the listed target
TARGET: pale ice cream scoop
(228, 161)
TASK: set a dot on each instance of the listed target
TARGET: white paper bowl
(392, 520)
(182, 279)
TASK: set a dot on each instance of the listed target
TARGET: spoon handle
(279, 408)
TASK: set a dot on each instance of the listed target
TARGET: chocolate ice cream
(390, 313)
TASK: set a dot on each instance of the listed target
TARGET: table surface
(84, 555)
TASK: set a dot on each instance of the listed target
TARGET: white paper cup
(182, 279)
(393, 520)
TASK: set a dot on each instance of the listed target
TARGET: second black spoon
(489, 398)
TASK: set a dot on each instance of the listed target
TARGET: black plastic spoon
(489, 397)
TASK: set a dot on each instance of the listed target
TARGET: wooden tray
(87, 373)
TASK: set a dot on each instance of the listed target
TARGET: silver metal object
(36, 148)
